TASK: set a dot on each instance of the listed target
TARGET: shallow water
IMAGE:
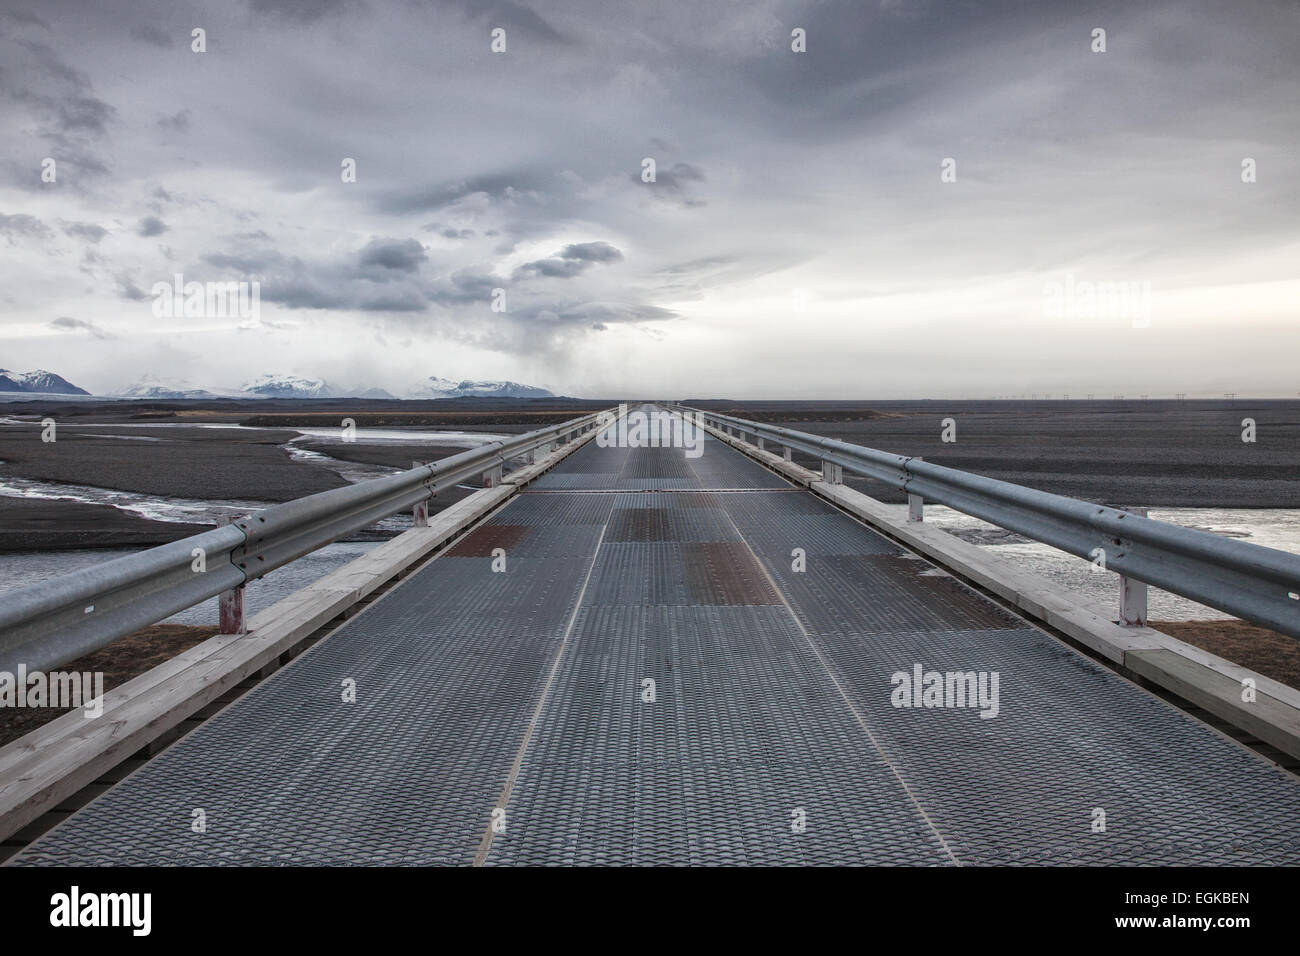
(183, 510)
(397, 436)
(22, 569)
(1270, 527)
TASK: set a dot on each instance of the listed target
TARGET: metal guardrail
(1250, 581)
(56, 621)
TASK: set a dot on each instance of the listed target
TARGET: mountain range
(270, 385)
(38, 382)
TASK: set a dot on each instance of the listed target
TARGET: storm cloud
(879, 214)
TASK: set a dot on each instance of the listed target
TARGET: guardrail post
(492, 477)
(420, 512)
(786, 453)
(1132, 602)
(1133, 593)
(230, 604)
(832, 473)
(915, 504)
(762, 446)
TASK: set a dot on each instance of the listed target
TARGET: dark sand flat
(31, 524)
(1123, 453)
(172, 463)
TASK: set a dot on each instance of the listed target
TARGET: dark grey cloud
(408, 299)
(85, 230)
(383, 276)
(127, 288)
(26, 18)
(672, 183)
(69, 104)
(591, 252)
(521, 185)
(553, 268)
(450, 233)
(22, 226)
(154, 35)
(178, 122)
(401, 255)
(250, 262)
(303, 11)
(151, 226)
(572, 260)
(467, 286)
(67, 324)
(510, 16)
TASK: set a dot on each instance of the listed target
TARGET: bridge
(702, 649)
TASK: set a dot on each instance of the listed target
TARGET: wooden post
(230, 604)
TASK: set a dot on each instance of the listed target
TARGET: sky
(929, 199)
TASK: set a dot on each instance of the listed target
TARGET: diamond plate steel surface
(1070, 737)
(722, 467)
(575, 480)
(745, 731)
(774, 703)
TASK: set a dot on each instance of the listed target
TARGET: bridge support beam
(832, 473)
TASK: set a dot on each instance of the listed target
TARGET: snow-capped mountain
(435, 387)
(156, 387)
(287, 386)
(295, 386)
(39, 381)
(153, 387)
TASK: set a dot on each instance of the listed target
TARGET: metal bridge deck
(523, 690)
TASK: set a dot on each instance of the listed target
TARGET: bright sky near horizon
(929, 199)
